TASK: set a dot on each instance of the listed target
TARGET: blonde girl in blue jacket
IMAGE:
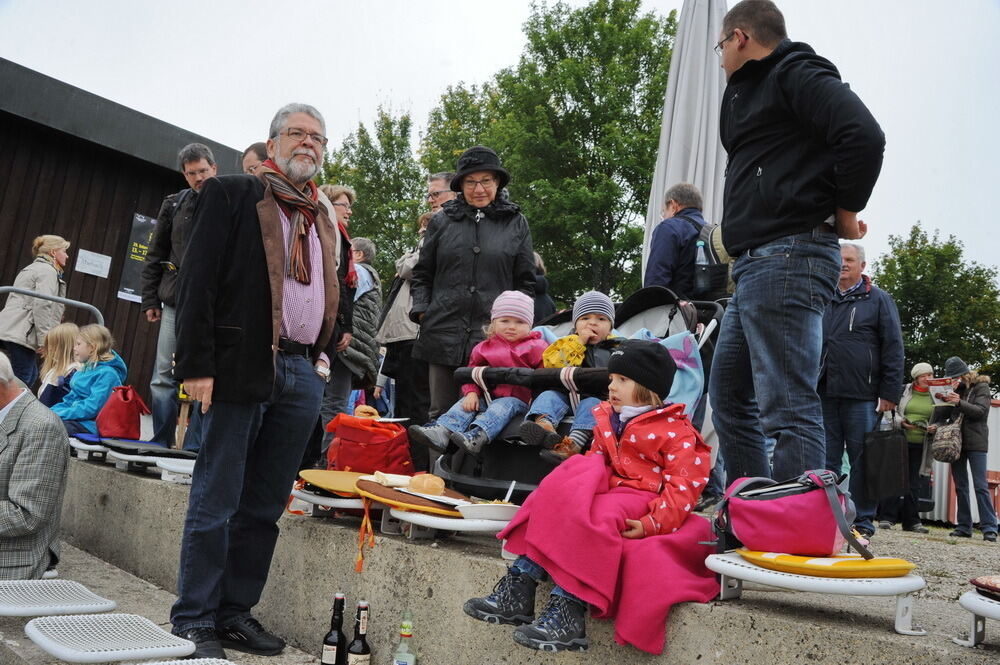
(102, 369)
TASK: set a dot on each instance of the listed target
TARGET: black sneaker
(886, 524)
(537, 434)
(249, 636)
(990, 536)
(512, 601)
(562, 626)
(864, 531)
(206, 643)
(917, 528)
(472, 441)
(706, 503)
(434, 437)
(960, 534)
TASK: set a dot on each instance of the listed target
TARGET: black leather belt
(286, 345)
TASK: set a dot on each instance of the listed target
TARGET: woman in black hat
(476, 246)
(970, 399)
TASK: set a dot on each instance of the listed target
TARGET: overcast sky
(221, 68)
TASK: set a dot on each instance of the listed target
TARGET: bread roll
(365, 411)
(427, 483)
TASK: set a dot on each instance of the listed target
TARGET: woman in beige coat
(25, 321)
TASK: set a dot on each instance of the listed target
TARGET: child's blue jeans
(554, 405)
(491, 419)
(528, 567)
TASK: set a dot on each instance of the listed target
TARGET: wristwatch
(324, 372)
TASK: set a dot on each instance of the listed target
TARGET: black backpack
(714, 280)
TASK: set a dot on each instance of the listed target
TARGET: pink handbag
(807, 516)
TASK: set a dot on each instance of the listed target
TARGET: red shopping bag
(119, 417)
(365, 445)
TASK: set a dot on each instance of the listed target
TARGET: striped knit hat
(593, 302)
(514, 304)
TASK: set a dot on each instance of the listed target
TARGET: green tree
(379, 165)
(576, 122)
(947, 306)
(458, 122)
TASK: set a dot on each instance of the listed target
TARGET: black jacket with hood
(469, 256)
(801, 144)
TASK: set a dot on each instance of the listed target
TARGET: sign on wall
(130, 286)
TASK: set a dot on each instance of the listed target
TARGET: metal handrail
(65, 301)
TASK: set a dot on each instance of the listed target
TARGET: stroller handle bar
(64, 301)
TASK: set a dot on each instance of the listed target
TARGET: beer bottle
(404, 652)
(358, 651)
(335, 642)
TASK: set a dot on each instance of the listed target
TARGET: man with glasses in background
(804, 155)
(439, 190)
(257, 304)
(159, 284)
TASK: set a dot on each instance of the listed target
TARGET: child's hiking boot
(434, 437)
(566, 448)
(541, 433)
(472, 441)
(512, 600)
(562, 626)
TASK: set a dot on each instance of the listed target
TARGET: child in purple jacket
(472, 422)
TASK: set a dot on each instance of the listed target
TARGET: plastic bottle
(701, 280)
(405, 655)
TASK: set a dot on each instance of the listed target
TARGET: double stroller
(689, 329)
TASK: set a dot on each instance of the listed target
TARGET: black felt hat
(478, 158)
(647, 363)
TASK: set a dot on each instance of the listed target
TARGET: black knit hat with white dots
(647, 363)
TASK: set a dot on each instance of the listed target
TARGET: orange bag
(365, 445)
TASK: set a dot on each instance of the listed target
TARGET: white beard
(298, 172)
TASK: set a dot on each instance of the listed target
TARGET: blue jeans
(491, 419)
(846, 422)
(528, 567)
(23, 361)
(554, 405)
(335, 395)
(244, 472)
(960, 476)
(766, 364)
(163, 387)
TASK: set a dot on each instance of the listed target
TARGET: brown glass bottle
(358, 651)
(335, 642)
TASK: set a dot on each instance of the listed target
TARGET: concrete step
(135, 522)
(133, 595)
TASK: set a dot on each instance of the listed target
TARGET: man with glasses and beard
(256, 313)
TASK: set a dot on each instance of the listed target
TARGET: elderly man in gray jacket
(34, 452)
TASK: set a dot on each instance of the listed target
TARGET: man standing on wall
(804, 155)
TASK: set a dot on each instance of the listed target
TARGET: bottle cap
(700, 243)
(406, 629)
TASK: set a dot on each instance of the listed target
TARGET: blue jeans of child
(846, 422)
(249, 457)
(960, 475)
(528, 567)
(766, 364)
(554, 405)
(491, 419)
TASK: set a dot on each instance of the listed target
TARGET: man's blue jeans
(766, 363)
(846, 422)
(163, 390)
(23, 361)
(491, 419)
(244, 472)
(554, 405)
(960, 476)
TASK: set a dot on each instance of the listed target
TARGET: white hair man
(34, 452)
(255, 333)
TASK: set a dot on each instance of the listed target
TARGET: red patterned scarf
(302, 209)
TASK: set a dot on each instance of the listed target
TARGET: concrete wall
(134, 522)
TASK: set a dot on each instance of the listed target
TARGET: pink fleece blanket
(571, 526)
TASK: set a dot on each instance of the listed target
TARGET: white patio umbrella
(690, 150)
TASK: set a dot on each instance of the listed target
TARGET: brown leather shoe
(562, 450)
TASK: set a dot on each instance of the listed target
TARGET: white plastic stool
(194, 661)
(440, 522)
(32, 598)
(101, 638)
(734, 570)
(328, 501)
(982, 608)
(174, 470)
(94, 451)
(130, 462)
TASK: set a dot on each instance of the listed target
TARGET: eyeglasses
(345, 206)
(485, 183)
(436, 193)
(300, 136)
(718, 47)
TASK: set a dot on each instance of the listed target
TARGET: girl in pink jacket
(473, 422)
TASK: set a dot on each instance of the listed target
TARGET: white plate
(436, 497)
(503, 512)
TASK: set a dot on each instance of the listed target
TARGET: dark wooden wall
(51, 182)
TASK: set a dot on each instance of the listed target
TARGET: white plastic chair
(103, 638)
(734, 570)
(982, 608)
(32, 598)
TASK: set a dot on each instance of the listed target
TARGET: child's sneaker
(434, 437)
(512, 600)
(539, 433)
(566, 448)
(562, 626)
(472, 441)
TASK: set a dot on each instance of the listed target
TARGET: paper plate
(837, 565)
(337, 482)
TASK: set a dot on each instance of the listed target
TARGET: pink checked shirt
(302, 304)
